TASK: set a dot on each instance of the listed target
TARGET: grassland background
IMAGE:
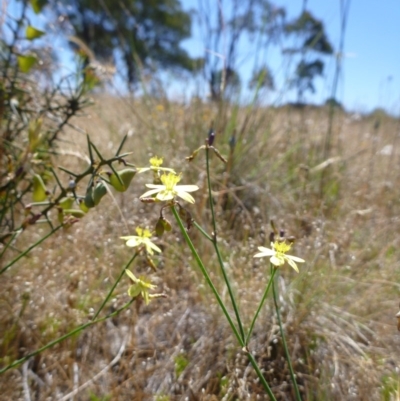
(339, 311)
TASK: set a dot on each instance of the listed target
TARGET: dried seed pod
(186, 216)
(160, 227)
(167, 225)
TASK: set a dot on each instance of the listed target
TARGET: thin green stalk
(260, 306)
(8, 244)
(261, 376)
(221, 263)
(200, 228)
(64, 337)
(206, 276)
(292, 374)
(221, 304)
(214, 222)
(21, 255)
(113, 287)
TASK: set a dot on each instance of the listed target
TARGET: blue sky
(371, 69)
(371, 66)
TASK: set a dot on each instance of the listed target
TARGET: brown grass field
(338, 194)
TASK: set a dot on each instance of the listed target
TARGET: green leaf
(37, 5)
(26, 63)
(32, 33)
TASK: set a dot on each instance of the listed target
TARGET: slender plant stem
(214, 222)
(113, 287)
(292, 374)
(8, 244)
(200, 228)
(260, 306)
(206, 276)
(64, 337)
(221, 304)
(214, 241)
(21, 255)
(261, 376)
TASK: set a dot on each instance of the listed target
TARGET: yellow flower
(143, 238)
(169, 189)
(141, 287)
(278, 254)
(155, 165)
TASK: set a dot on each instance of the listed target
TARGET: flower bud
(272, 237)
(148, 200)
(211, 137)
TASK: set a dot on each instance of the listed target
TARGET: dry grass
(338, 312)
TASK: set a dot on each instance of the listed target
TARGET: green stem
(64, 337)
(113, 287)
(260, 306)
(8, 244)
(200, 228)
(214, 241)
(221, 304)
(206, 276)
(292, 374)
(261, 376)
(21, 255)
(214, 222)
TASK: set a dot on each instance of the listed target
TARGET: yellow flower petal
(278, 255)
